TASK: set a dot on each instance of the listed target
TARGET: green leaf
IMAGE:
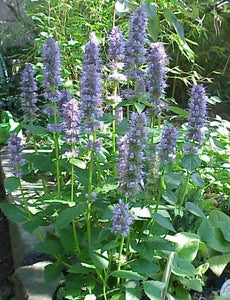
(78, 163)
(133, 291)
(144, 267)
(218, 242)
(192, 284)
(42, 162)
(52, 272)
(205, 231)
(170, 197)
(179, 111)
(171, 18)
(182, 267)
(35, 129)
(68, 215)
(153, 289)
(197, 180)
(123, 127)
(222, 221)
(124, 274)
(194, 209)
(81, 268)
(67, 239)
(149, 9)
(99, 258)
(218, 263)
(190, 162)
(11, 184)
(37, 220)
(187, 245)
(139, 107)
(14, 212)
(118, 296)
(154, 27)
(164, 222)
(50, 246)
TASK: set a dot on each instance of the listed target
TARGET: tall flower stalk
(116, 56)
(157, 73)
(51, 83)
(131, 156)
(197, 118)
(90, 111)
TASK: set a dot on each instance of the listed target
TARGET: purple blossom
(71, 121)
(52, 65)
(122, 219)
(90, 87)
(131, 155)
(15, 154)
(168, 143)
(29, 93)
(156, 83)
(134, 48)
(116, 49)
(197, 115)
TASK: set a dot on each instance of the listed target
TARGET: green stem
(119, 257)
(56, 143)
(185, 190)
(89, 200)
(72, 200)
(167, 274)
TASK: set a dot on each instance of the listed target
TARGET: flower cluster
(29, 93)
(131, 155)
(122, 219)
(116, 49)
(197, 115)
(156, 83)
(15, 154)
(52, 68)
(71, 121)
(168, 143)
(90, 87)
(134, 48)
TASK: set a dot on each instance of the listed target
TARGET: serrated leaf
(170, 197)
(52, 272)
(123, 127)
(51, 246)
(149, 9)
(154, 27)
(11, 184)
(205, 231)
(35, 129)
(190, 162)
(144, 267)
(194, 209)
(218, 263)
(197, 180)
(80, 268)
(192, 284)
(13, 212)
(139, 107)
(124, 274)
(67, 239)
(164, 222)
(68, 215)
(42, 162)
(153, 289)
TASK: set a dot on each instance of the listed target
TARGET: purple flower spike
(130, 164)
(134, 48)
(122, 219)
(197, 114)
(15, 154)
(90, 87)
(116, 49)
(168, 143)
(71, 121)
(52, 66)
(29, 93)
(156, 83)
